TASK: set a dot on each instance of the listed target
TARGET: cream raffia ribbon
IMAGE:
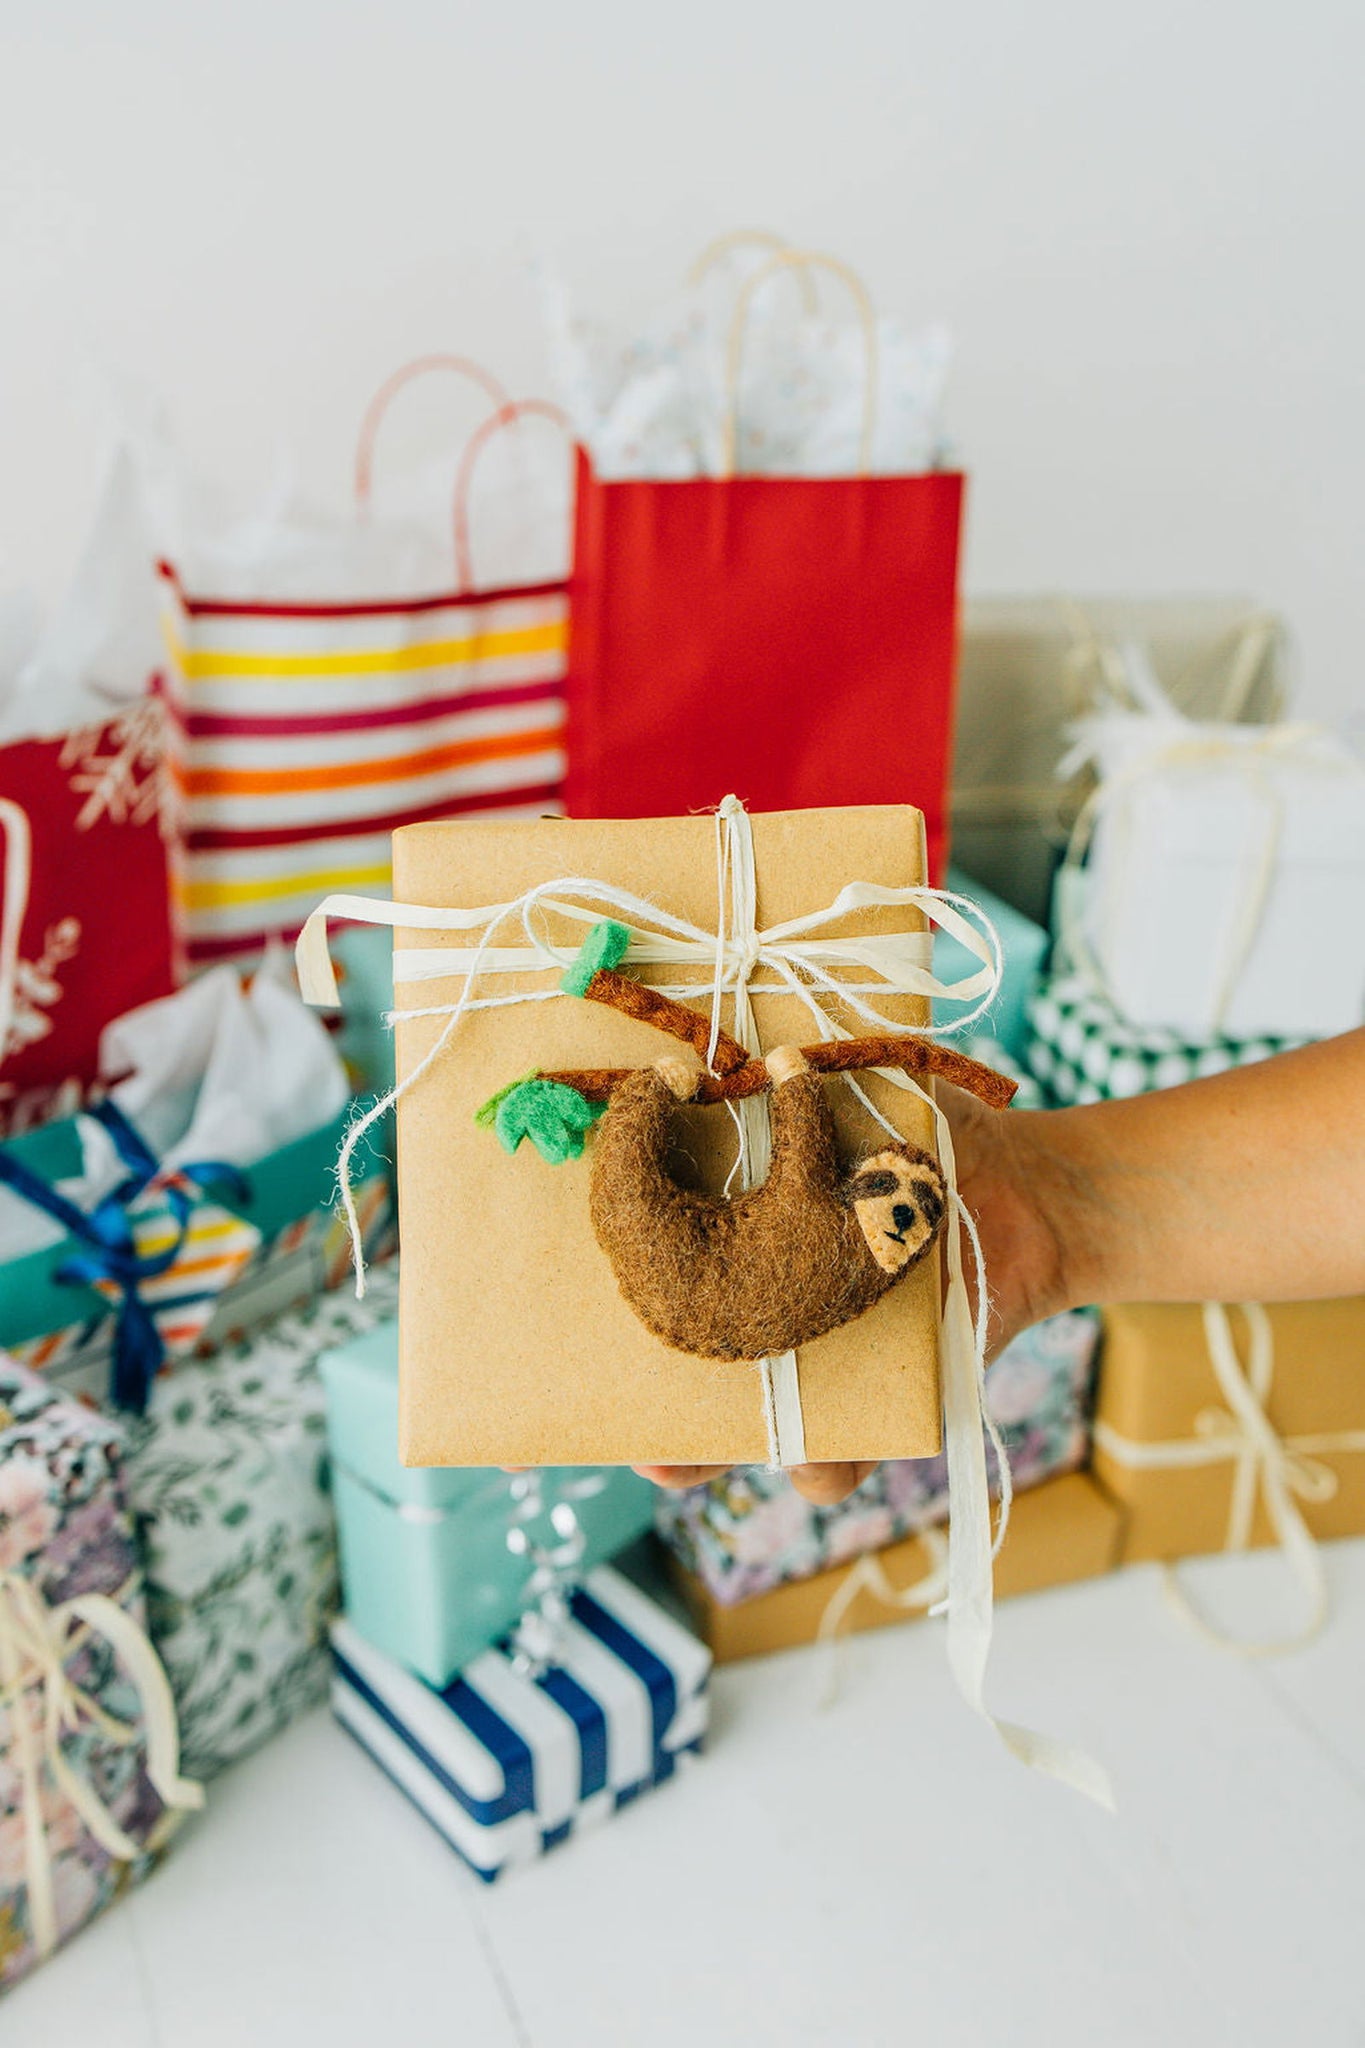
(802, 958)
(1281, 1471)
(44, 1704)
(1251, 751)
(868, 1575)
(18, 856)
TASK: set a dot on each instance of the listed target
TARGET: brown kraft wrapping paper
(1065, 1530)
(1157, 1385)
(516, 1346)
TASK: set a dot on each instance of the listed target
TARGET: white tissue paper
(272, 544)
(101, 645)
(655, 403)
(1223, 894)
(221, 1070)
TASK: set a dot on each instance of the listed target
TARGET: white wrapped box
(1225, 895)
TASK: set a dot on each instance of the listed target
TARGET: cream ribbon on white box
(796, 961)
(36, 1642)
(1282, 1471)
(1252, 752)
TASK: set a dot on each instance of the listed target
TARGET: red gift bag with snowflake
(86, 928)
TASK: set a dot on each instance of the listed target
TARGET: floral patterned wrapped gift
(749, 1532)
(227, 1475)
(89, 1781)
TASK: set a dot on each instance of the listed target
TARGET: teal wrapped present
(429, 1575)
(243, 1247)
(1023, 947)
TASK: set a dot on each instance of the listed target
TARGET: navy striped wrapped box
(506, 1766)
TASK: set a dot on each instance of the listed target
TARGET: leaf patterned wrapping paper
(227, 1477)
(750, 1531)
(65, 1527)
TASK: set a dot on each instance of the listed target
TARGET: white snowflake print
(37, 988)
(121, 767)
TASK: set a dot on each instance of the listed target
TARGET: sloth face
(897, 1197)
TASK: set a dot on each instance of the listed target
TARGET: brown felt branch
(634, 999)
(832, 1056)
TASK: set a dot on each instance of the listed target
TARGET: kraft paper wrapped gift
(748, 1532)
(1065, 1530)
(90, 1789)
(551, 1366)
(1183, 1444)
(506, 1764)
(430, 1577)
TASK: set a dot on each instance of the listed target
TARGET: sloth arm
(805, 1157)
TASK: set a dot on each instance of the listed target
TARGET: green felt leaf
(605, 946)
(555, 1117)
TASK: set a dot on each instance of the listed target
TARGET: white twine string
(44, 1704)
(803, 966)
(1279, 1470)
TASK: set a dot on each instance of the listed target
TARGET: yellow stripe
(150, 1245)
(199, 664)
(217, 895)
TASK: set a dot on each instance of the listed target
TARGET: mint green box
(1024, 946)
(426, 1570)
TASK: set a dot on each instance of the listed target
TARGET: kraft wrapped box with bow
(1222, 893)
(1222, 1427)
(90, 1783)
(796, 929)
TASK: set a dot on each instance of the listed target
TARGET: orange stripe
(351, 775)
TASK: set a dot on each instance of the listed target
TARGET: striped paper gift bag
(308, 731)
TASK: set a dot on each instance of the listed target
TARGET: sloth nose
(902, 1215)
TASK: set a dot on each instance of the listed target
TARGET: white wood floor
(866, 1876)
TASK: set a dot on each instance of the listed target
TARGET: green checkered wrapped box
(1082, 1050)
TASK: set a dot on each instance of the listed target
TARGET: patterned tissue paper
(66, 1535)
(228, 1480)
(748, 1532)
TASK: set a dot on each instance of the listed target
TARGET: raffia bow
(45, 1705)
(1280, 1471)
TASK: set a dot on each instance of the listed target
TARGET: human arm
(1248, 1186)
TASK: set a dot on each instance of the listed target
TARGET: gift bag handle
(752, 238)
(511, 410)
(18, 844)
(804, 260)
(408, 373)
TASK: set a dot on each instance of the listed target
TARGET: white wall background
(1143, 222)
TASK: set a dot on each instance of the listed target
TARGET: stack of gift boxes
(205, 1522)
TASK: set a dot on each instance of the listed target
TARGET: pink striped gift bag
(309, 728)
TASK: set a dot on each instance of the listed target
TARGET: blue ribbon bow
(110, 1253)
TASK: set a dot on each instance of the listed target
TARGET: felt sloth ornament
(813, 1246)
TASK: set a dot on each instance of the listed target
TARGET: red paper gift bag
(788, 638)
(87, 924)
